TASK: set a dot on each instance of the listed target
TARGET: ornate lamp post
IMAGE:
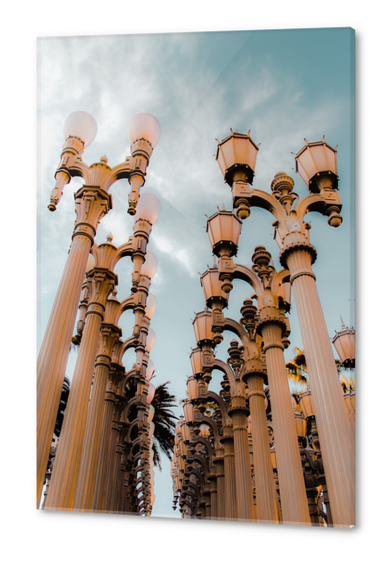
(316, 163)
(92, 202)
(273, 301)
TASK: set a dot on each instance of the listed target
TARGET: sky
(283, 86)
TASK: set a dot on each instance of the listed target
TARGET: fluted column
(207, 501)
(65, 473)
(244, 492)
(266, 498)
(91, 205)
(291, 482)
(219, 462)
(230, 474)
(90, 451)
(213, 493)
(330, 410)
(108, 438)
(116, 481)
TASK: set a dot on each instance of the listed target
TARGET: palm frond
(164, 420)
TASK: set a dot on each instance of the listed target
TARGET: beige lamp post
(316, 163)
(218, 458)
(92, 202)
(61, 496)
(90, 451)
(198, 392)
(238, 413)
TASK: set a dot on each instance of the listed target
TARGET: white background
(60, 536)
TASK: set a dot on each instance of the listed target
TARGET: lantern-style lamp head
(148, 208)
(223, 229)
(185, 433)
(215, 297)
(316, 163)
(203, 328)
(306, 404)
(188, 410)
(192, 388)
(345, 344)
(178, 427)
(150, 265)
(236, 157)
(196, 361)
(82, 125)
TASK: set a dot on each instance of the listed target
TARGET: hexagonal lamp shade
(192, 388)
(236, 157)
(306, 404)
(345, 344)
(211, 286)
(185, 432)
(178, 427)
(196, 361)
(202, 324)
(182, 449)
(188, 410)
(223, 229)
(314, 160)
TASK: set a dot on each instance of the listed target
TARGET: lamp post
(273, 300)
(316, 163)
(92, 202)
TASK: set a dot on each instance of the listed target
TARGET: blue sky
(283, 86)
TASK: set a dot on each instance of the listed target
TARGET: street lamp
(236, 157)
(92, 202)
(316, 163)
(345, 344)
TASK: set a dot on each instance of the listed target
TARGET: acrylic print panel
(227, 400)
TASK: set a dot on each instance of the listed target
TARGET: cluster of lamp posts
(251, 453)
(225, 465)
(103, 460)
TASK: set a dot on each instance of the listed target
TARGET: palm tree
(297, 368)
(163, 419)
